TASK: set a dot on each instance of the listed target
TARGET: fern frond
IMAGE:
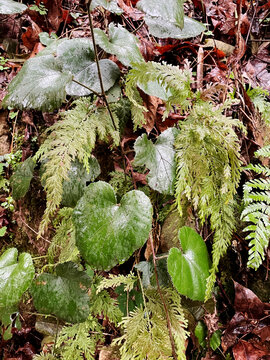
(147, 337)
(259, 98)
(72, 137)
(175, 82)
(117, 280)
(63, 243)
(259, 169)
(44, 356)
(257, 212)
(79, 341)
(208, 173)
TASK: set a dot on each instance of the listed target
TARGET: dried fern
(71, 138)
(257, 211)
(208, 173)
(146, 334)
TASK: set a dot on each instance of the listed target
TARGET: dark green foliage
(64, 294)
(108, 233)
(21, 178)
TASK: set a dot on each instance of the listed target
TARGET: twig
(88, 88)
(200, 69)
(174, 354)
(98, 67)
(252, 20)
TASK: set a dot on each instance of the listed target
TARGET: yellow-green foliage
(73, 137)
(63, 243)
(208, 173)
(79, 341)
(174, 81)
(146, 334)
(257, 210)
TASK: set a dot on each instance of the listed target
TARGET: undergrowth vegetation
(101, 220)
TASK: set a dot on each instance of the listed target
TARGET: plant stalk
(98, 66)
(88, 88)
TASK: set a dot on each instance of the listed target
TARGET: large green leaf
(110, 5)
(169, 10)
(78, 177)
(121, 43)
(108, 233)
(20, 180)
(77, 57)
(161, 28)
(44, 81)
(15, 276)
(189, 267)
(159, 159)
(11, 7)
(154, 88)
(40, 84)
(64, 294)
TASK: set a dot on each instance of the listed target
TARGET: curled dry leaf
(249, 351)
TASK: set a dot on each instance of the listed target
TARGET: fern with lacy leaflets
(259, 98)
(174, 81)
(208, 173)
(79, 341)
(146, 334)
(71, 138)
(63, 244)
(257, 211)
(129, 282)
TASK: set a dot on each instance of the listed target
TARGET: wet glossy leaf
(11, 7)
(110, 5)
(77, 57)
(161, 28)
(64, 294)
(168, 10)
(16, 275)
(108, 233)
(189, 267)
(154, 88)
(40, 84)
(159, 159)
(78, 177)
(44, 81)
(21, 179)
(121, 43)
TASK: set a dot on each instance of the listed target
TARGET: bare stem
(98, 66)
(88, 88)
(163, 301)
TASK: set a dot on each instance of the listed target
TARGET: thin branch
(174, 354)
(88, 88)
(98, 66)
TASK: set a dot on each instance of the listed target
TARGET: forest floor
(237, 42)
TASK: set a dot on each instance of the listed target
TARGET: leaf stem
(88, 88)
(98, 66)
(174, 354)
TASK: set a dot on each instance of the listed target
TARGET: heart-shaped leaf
(108, 233)
(189, 267)
(169, 10)
(64, 294)
(44, 80)
(11, 7)
(159, 159)
(40, 84)
(77, 57)
(15, 277)
(121, 43)
(161, 28)
(78, 177)
(110, 5)
(20, 180)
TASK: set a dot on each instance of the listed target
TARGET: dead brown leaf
(130, 12)
(249, 351)
(151, 103)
